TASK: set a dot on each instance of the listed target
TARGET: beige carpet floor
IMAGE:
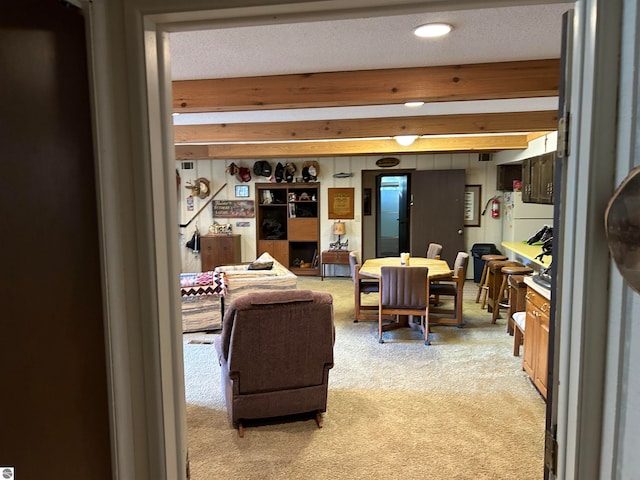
(461, 408)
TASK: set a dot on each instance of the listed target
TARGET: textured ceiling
(486, 35)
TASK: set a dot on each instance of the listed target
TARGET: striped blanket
(202, 295)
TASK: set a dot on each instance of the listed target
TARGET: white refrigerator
(521, 220)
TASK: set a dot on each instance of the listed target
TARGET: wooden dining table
(438, 270)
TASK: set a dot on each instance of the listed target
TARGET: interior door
(552, 365)
(55, 416)
(437, 212)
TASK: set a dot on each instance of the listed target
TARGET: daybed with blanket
(241, 279)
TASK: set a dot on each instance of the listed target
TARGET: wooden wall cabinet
(288, 224)
(219, 249)
(506, 175)
(537, 179)
(536, 339)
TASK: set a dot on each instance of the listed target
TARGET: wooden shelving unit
(288, 224)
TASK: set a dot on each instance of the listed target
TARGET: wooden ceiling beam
(370, 127)
(353, 147)
(483, 81)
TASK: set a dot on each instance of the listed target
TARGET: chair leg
(458, 304)
(319, 420)
(425, 327)
(356, 302)
(517, 341)
(240, 429)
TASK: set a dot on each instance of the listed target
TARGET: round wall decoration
(387, 162)
(200, 188)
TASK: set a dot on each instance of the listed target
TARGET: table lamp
(339, 228)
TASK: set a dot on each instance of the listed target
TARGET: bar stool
(501, 301)
(483, 286)
(517, 299)
(494, 279)
(516, 315)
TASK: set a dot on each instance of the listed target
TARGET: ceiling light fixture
(413, 104)
(405, 140)
(431, 30)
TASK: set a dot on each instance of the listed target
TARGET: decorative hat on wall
(313, 169)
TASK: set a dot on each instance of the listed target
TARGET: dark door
(55, 419)
(392, 215)
(437, 212)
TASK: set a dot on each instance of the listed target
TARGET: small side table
(334, 257)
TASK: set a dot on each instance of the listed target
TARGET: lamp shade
(339, 228)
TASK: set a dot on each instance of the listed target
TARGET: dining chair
(361, 285)
(452, 287)
(403, 291)
(434, 250)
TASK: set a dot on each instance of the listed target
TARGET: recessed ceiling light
(413, 104)
(405, 140)
(431, 30)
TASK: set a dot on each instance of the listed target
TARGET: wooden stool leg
(485, 288)
(482, 280)
(496, 306)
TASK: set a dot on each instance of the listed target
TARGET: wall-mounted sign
(340, 202)
(233, 209)
(387, 162)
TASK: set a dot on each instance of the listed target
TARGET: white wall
(538, 146)
(477, 173)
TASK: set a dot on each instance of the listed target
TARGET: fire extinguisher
(495, 208)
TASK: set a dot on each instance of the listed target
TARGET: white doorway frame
(135, 170)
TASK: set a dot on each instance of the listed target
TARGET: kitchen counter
(545, 292)
(526, 254)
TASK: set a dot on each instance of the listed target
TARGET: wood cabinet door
(526, 180)
(542, 340)
(545, 182)
(219, 250)
(530, 341)
(303, 229)
(536, 169)
(278, 249)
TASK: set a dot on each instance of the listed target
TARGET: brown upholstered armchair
(275, 350)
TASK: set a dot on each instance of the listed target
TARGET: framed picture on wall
(242, 191)
(472, 199)
(341, 203)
